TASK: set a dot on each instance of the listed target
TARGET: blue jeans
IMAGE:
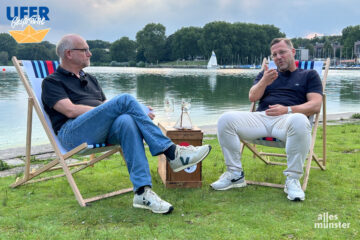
(122, 121)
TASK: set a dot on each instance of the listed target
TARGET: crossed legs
(122, 121)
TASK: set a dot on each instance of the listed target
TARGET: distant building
(357, 50)
(302, 54)
(336, 46)
(318, 50)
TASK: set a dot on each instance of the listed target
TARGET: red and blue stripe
(305, 64)
(44, 68)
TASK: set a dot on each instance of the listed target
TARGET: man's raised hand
(269, 75)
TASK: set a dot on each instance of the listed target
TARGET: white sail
(212, 64)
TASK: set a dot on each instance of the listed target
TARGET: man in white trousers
(287, 96)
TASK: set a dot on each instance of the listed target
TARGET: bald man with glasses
(79, 112)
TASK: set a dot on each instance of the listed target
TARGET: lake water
(212, 93)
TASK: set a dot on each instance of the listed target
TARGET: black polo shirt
(290, 88)
(64, 84)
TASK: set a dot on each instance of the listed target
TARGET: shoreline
(197, 67)
(37, 149)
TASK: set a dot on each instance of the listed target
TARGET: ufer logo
(28, 15)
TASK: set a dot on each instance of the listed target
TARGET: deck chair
(36, 71)
(314, 120)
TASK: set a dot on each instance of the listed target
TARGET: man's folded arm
(312, 106)
(70, 110)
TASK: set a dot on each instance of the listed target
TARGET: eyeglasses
(84, 50)
(280, 53)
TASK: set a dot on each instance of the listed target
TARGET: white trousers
(294, 129)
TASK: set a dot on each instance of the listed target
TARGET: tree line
(233, 43)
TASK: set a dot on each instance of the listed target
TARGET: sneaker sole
(295, 199)
(154, 211)
(238, 185)
(192, 164)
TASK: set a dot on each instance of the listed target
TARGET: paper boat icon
(29, 35)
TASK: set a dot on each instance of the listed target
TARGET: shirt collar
(287, 73)
(67, 73)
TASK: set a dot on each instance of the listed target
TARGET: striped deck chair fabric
(36, 71)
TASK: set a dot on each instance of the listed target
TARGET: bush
(132, 63)
(356, 116)
(140, 64)
(3, 166)
(4, 56)
(118, 64)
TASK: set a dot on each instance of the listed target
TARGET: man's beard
(86, 64)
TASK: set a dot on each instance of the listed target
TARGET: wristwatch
(289, 110)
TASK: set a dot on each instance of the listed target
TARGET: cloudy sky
(112, 19)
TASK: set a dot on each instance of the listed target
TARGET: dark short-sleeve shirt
(63, 84)
(290, 88)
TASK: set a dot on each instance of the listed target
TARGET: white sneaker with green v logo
(187, 156)
(150, 200)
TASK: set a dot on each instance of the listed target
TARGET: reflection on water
(212, 93)
(212, 81)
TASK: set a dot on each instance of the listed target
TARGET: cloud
(112, 19)
(313, 35)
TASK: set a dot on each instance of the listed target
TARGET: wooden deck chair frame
(321, 162)
(33, 102)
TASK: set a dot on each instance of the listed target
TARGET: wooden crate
(187, 178)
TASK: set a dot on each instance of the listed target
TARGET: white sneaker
(150, 200)
(229, 180)
(187, 156)
(294, 190)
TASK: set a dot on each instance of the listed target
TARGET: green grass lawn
(48, 210)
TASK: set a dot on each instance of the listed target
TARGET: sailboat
(212, 64)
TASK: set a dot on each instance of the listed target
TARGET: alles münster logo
(326, 220)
